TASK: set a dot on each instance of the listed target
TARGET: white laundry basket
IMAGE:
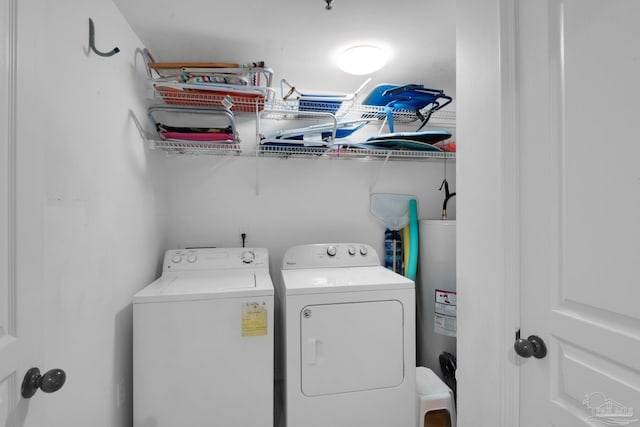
(433, 395)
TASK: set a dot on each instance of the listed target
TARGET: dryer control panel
(330, 255)
(208, 259)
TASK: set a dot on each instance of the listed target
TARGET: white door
(579, 118)
(20, 245)
(350, 347)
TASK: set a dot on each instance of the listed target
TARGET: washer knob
(363, 251)
(192, 258)
(352, 250)
(332, 251)
(247, 257)
(176, 259)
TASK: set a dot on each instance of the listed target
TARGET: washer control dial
(176, 259)
(247, 257)
(192, 258)
(332, 251)
(352, 250)
(363, 251)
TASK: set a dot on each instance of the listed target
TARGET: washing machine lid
(353, 279)
(190, 286)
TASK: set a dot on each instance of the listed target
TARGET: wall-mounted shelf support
(92, 44)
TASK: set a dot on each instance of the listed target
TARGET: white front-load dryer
(203, 341)
(347, 335)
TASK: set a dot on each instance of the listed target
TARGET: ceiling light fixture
(362, 59)
(328, 7)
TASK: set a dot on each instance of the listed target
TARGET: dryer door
(351, 347)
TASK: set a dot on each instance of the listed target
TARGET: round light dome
(364, 59)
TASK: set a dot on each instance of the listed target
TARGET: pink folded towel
(199, 136)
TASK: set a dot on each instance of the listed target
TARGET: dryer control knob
(352, 250)
(247, 257)
(332, 251)
(363, 251)
(192, 258)
(176, 258)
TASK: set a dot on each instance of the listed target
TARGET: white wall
(485, 245)
(212, 200)
(101, 204)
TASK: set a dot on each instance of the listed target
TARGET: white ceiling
(298, 38)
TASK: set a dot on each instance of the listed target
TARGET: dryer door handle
(312, 351)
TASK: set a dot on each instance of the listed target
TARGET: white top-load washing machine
(347, 331)
(203, 341)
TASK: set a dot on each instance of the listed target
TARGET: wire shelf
(263, 102)
(352, 153)
(189, 147)
(237, 102)
(284, 110)
(338, 152)
(349, 110)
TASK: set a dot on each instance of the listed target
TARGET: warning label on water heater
(444, 320)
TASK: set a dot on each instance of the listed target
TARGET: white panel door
(579, 118)
(20, 247)
(351, 347)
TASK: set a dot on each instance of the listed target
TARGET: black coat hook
(92, 45)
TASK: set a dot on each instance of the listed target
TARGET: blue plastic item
(393, 251)
(428, 137)
(412, 266)
(318, 102)
(411, 97)
(408, 97)
(322, 103)
(400, 144)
